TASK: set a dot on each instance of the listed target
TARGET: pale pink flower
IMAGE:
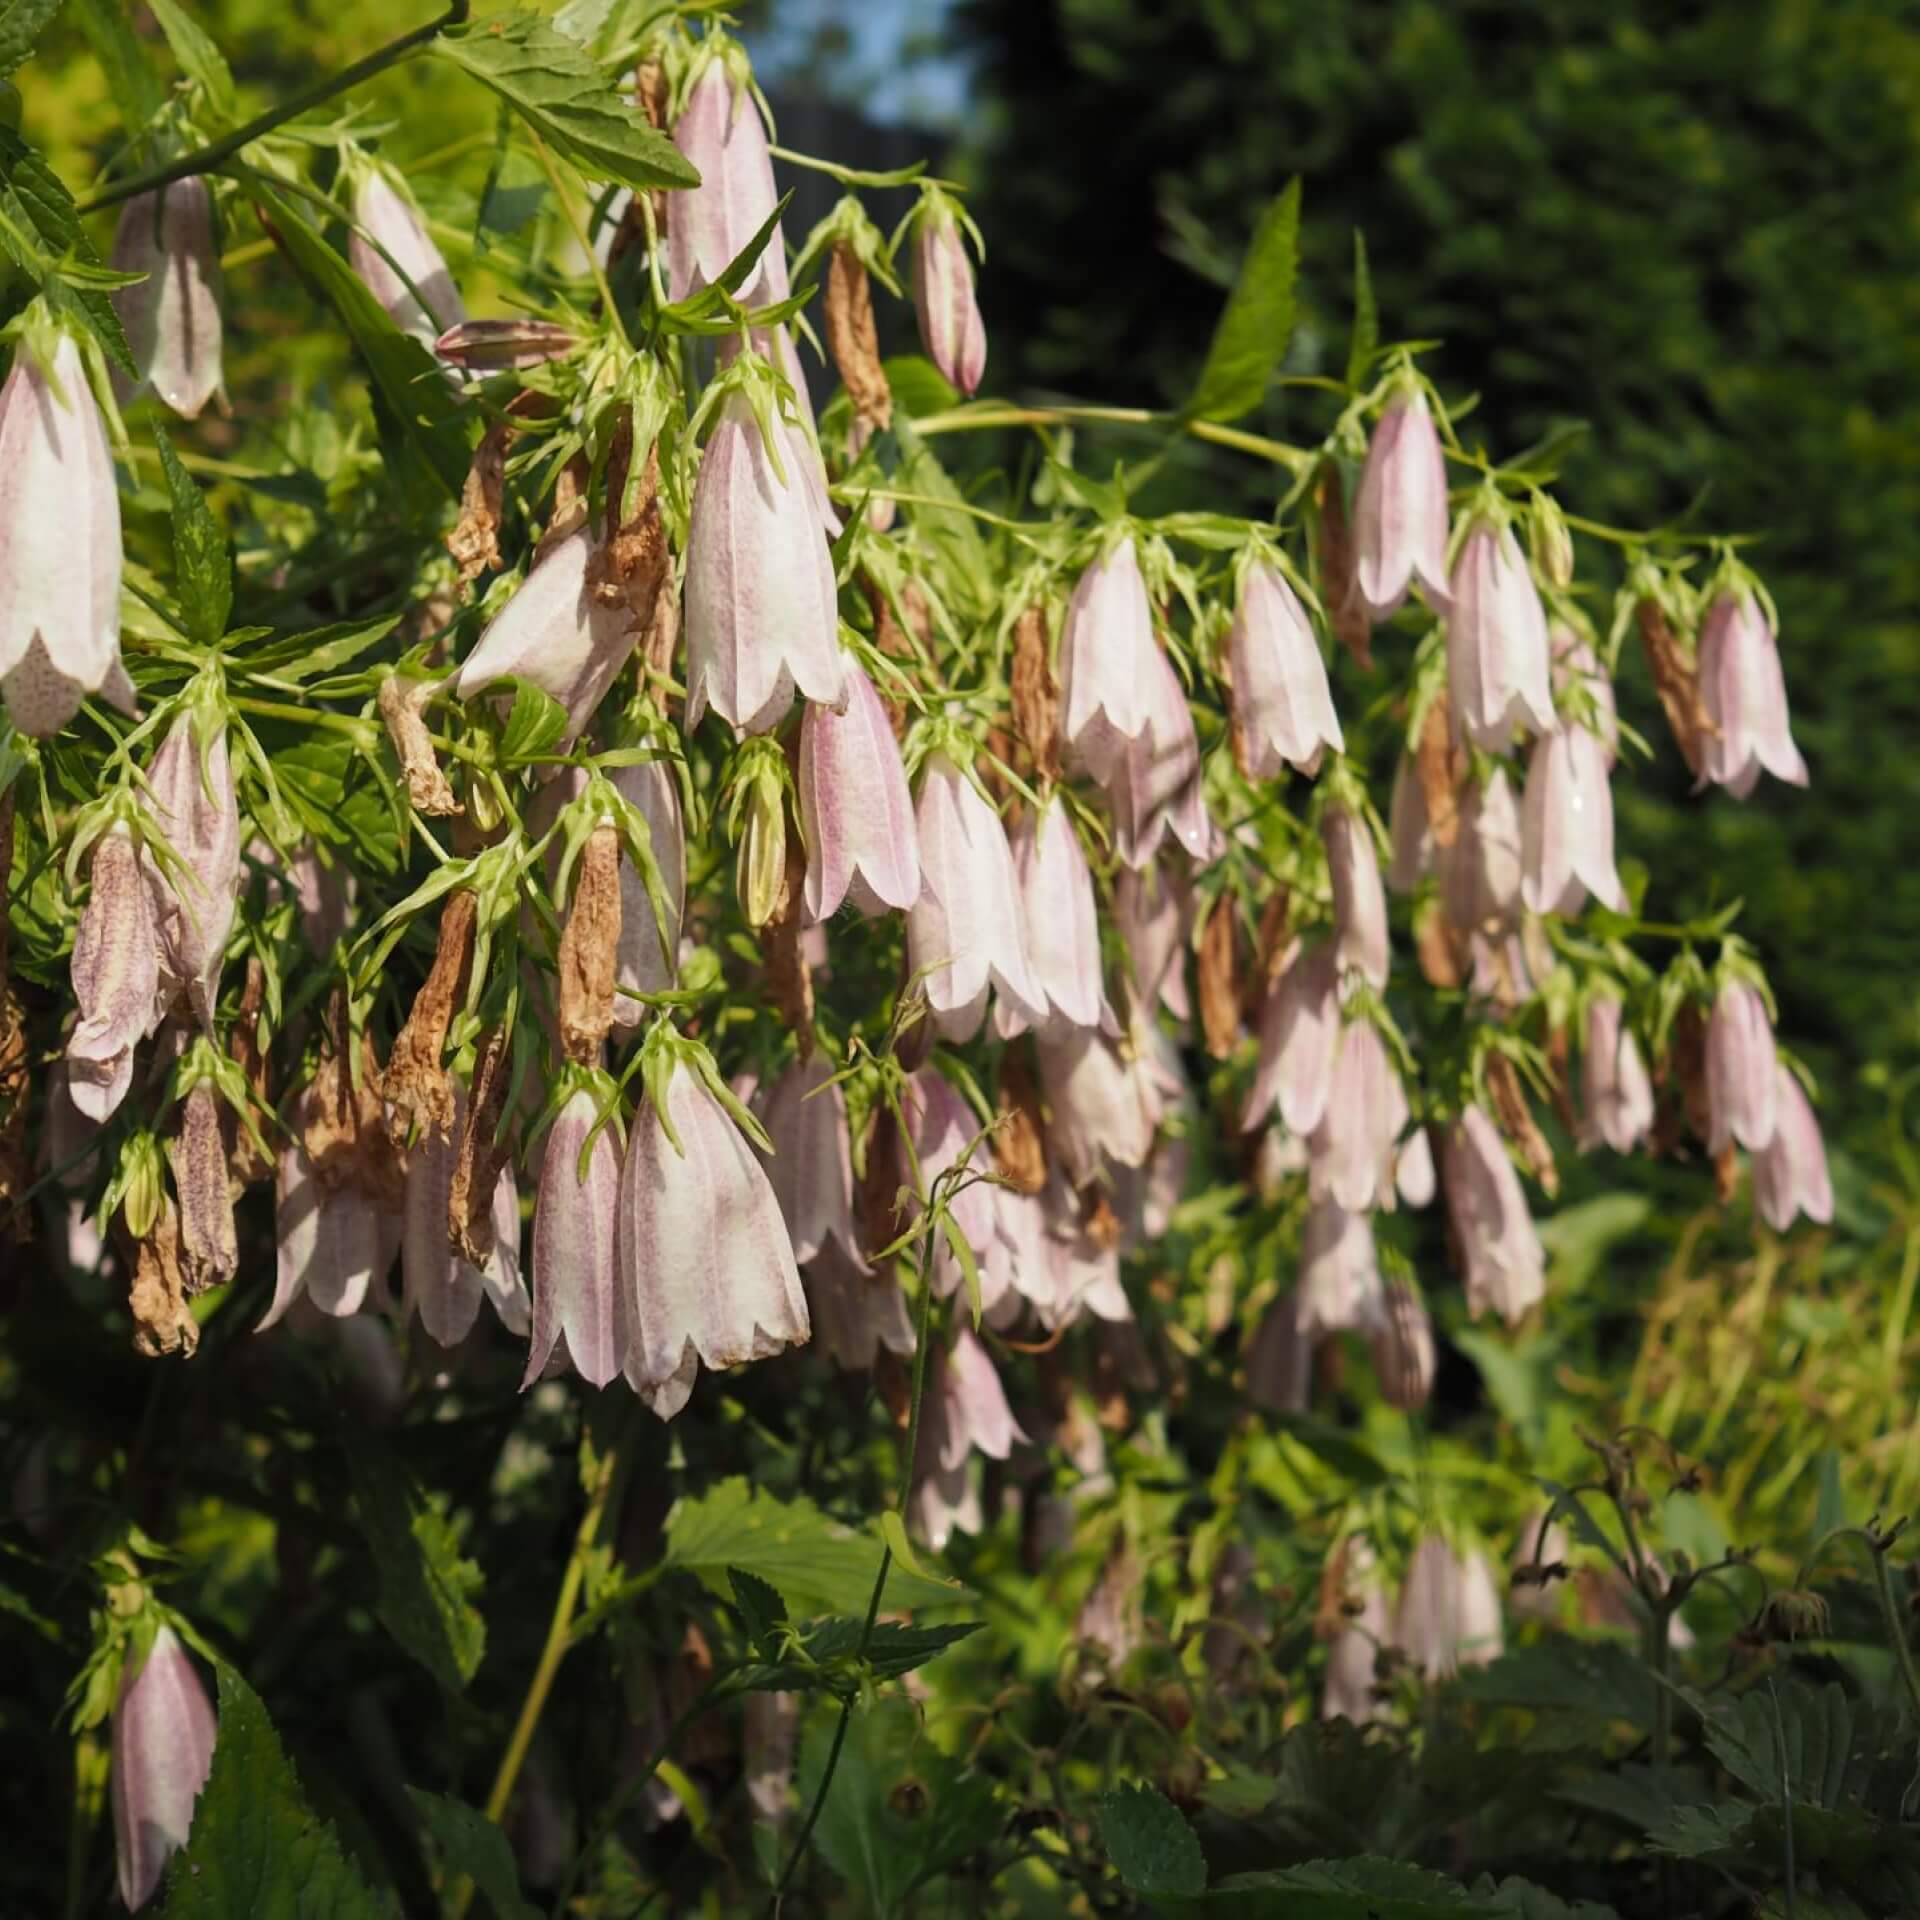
(720, 131)
(805, 1115)
(331, 1243)
(1153, 783)
(116, 973)
(1745, 696)
(1359, 899)
(1107, 1099)
(1577, 666)
(1351, 1151)
(1281, 701)
(942, 1131)
(944, 303)
(1567, 825)
(1401, 1341)
(1280, 1359)
(854, 807)
(1449, 1614)
(1153, 908)
(855, 1312)
(1347, 1691)
(1497, 673)
(1790, 1171)
(576, 1312)
(1742, 1076)
(172, 317)
(1506, 1267)
(1058, 918)
(163, 1740)
(1616, 1096)
(1400, 510)
(1299, 1033)
(440, 1286)
(197, 812)
(1481, 873)
(1106, 649)
(1414, 1178)
(420, 298)
(1339, 1285)
(1413, 848)
(648, 957)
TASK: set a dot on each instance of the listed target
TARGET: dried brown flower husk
(1218, 974)
(402, 703)
(474, 542)
(1440, 771)
(1518, 1124)
(1333, 544)
(589, 950)
(853, 339)
(1275, 936)
(245, 1043)
(1036, 694)
(1676, 680)
(209, 1250)
(880, 1188)
(415, 1084)
(1439, 947)
(16, 1086)
(569, 507)
(1019, 1140)
(783, 945)
(344, 1130)
(479, 1153)
(162, 1321)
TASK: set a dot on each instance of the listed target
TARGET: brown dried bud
(342, 1128)
(414, 1083)
(651, 92)
(1333, 544)
(636, 559)
(660, 638)
(1517, 1122)
(479, 1154)
(569, 507)
(1434, 944)
(245, 1161)
(1098, 1220)
(1439, 772)
(475, 540)
(1019, 1140)
(880, 1183)
(1219, 981)
(162, 1321)
(1686, 1064)
(851, 336)
(1726, 1174)
(209, 1251)
(1676, 680)
(589, 950)
(401, 702)
(783, 943)
(1036, 695)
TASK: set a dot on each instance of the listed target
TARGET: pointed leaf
(1152, 1848)
(37, 207)
(203, 574)
(472, 1845)
(21, 24)
(1251, 339)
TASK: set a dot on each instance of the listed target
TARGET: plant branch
(994, 414)
(206, 159)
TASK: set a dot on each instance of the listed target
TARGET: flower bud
(720, 131)
(964, 931)
(576, 1309)
(172, 317)
(1359, 900)
(1615, 1094)
(1790, 1171)
(855, 808)
(1550, 541)
(1567, 825)
(556, 632)
(116, 971)
(59, 541)
(760, 862)
(497, 346)
(1744, 694)
(1496, 642)
(1414, 1178)
(1281, 702)
(1400, 510)
(1401, 1341)
(163, 1739)
(1506, 1268)
(706, 1268)
(951, 329)
(1743, 1078)
(762, 609)
(1058, 917)
(197, 812)
(392, 252)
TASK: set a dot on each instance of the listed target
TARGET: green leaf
(1251, 338)
(899, 1812)
(36, 205)
(1579, 1238)
(918, 386)
(21, 24)
(1598, 1677)
(404, 373)
(199, 58)
(761, 1607)
(893, 1534)
(256, 1848)
(816, 1563)
(1362, 1888)
(953, 532)
(1152, 1848)
(711, 300)
(304, 656)
(137, 90)
(1340, 1451)
(203, 573)
(535, 726)
(1525, 1901)
(427, 1591)
(552, 83)
(472, 1845)
(1366, 316)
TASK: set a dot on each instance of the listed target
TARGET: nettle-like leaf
(203, 572)
(427, 1590)
(21, 23)
(256, 1847)
(1251, 339)
(35, 205)
(552, 83)
(1152, 1848)
(470, 1844)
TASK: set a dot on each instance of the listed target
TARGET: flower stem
(993, 414)
(205, 159)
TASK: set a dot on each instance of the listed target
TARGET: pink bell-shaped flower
(1577, 671)
(1281, 701)
(1400, 1340)
(1359, 899)
(1154, 783)
(1106, 651)
(1400, 510)
(1350, 1154)
(420, 298)
(197, 812)
(163, 1739)
(855, 1312)
(1790, 1171)
(1058, 918)
(942, 1129)
(1107, 1100)
(59, 541)
(1449, 1614)
(558, 633)
(1506, 1268)
(1347, 1691)
(855, 809)
(762, 610)
(1299, 1032)
(964, 1411)
(944, 302)
(1153, 908)
(1413, 849)
(720, 131)
(172, 317)
(1745, 696)
(1742, 1072)
(1567, 825)
(707, 1274)
(1481, 873)
(964, 931)
(1497, 670)
(116, 973)
(805, 1115)
(1615, 1094)
(1339, 1286)
(440, 1286)
(576, 1311)
(331, 1243)
(647, 959)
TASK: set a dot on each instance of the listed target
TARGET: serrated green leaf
(427, 1590)
(1152, 1848)
(1363, 1888)
(256, 1848)
(535, 726)
(761, 1606)
(552, 83)
(136, 88)
(471, 1844)
(1251, 338)
(36, 205)
(819, 1565)
(21, 24)
(899, 1812)
(404, 374)
(893, 1532)
(199, 58)
(1597, 1677)
(1525, 1901)
(321, 650)
(203, 572)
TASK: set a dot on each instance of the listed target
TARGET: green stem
(1895, 1625)
(973, 418)
(205, 159)
(579, 233)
